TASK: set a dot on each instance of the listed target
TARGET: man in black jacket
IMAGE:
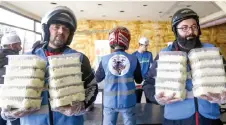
(11, 45)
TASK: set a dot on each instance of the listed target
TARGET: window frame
(18, 27)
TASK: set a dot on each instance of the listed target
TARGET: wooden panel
(159, 33)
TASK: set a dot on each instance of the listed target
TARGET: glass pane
(16, 20)
(5, 29)
(38, 27)
(29, 40)
(38, 37)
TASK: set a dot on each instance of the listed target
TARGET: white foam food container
(23, 81)
(203, 52)
(64, 59)
(26, 60)
(20, 103)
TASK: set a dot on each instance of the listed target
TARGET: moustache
(190, 37)
(60, 36)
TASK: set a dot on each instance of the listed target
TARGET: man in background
(10, 45)
(145, 58)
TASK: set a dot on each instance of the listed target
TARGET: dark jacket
(4, 61)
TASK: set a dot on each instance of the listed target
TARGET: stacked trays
(207, 71)
(171, 74)
(65, 80)
(23, 82)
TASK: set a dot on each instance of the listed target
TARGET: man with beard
(58, 27)
(191, 111)
(11, 45)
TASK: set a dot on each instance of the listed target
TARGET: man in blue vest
(119, 70)
(145, 59)
(59, 26)
(192, 110)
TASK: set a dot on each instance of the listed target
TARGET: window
(27, 29)
(16, 20)
(38, 27)
(38, 37)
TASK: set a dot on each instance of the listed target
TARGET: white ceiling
(109, 10)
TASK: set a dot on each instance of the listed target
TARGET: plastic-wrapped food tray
(173, 83)
(207, 62)
(171, 74)
(179, 93)
(66, 100)
(20, 102)
(203, 52)
(66, 90)
(173, 56)
(21, 91)
(65, 70)
(209, 80)
(26, 60)
(171, 66)
(24, 71)
(22, 81)
(208, 71)
(65, 80)
(203, 89)
(65, 59)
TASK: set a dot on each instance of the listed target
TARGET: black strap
(196, 104)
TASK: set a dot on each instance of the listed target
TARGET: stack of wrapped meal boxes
(208, 73)
(65, 80)
(23, 82)
(171, 74)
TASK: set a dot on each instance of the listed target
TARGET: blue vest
(43, 117)
(186, 108)
(119, 86)
(145, 60)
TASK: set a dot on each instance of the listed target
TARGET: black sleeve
(100, 74)
(3, 62)
(149, 82)
(90, 84)
(224, 62)
(137, 74)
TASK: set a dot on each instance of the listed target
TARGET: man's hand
(219, 98)
(69, 110)
(17, 113)
(162, 100)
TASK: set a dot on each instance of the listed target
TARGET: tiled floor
(146, 114)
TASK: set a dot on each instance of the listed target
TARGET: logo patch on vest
(119, 65)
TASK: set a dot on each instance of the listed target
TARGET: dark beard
(188, 43)
(58, 44)
(55, 50)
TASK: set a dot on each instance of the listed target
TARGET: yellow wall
(159, 33)
(217, 36)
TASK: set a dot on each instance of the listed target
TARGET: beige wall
(217, 36)
(159, 33)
